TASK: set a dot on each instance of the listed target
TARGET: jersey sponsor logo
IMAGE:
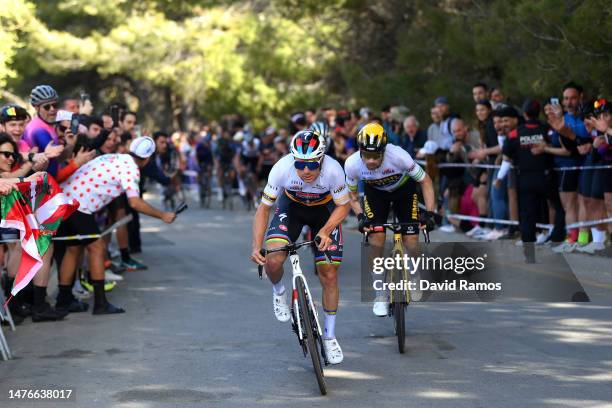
(282, 217)
(270, 186)
(415, 207)
(318, 186)
(385, 181)
(339, 189)
(387, 171)
(332, 247)
(282, 227)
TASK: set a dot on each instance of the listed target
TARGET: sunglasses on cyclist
(48, 106)
(371, 155)
(8, 155)
(312, 165)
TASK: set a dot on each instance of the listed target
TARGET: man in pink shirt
(94, 185)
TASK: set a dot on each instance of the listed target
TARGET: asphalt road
(199, 332)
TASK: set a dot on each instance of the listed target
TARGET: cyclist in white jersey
(309, 188)
(390, 176)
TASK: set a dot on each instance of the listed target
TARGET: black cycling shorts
(568, 180)
(592, 183)
(79, 223)
(404, 200)
(291, 216)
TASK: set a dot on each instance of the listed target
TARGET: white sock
(598, 236)
(330, 325)
(278, 288)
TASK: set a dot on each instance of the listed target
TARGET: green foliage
(266, 58)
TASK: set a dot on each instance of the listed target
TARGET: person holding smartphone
(570, 134)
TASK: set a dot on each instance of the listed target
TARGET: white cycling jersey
(396, 169)
(329, 185)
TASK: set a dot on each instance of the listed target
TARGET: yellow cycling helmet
(372, 138)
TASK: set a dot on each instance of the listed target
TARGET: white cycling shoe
(381, 306)
(333, 352)
(281, 309)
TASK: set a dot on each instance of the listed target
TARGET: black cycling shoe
(47, 314)
(107, 308)
(76, 306)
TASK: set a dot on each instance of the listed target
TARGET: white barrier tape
(107, 231)
(495, 166)
(581, 224)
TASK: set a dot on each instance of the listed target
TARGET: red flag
(36, 209)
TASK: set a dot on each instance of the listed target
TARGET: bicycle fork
(297, 274)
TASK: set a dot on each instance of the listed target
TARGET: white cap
(239, 136)
(63, 115)
(142, 147)
(429, 148)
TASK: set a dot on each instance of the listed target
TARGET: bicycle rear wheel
(309, 334)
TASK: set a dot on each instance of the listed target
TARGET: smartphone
(74, 124)
(554, 101)
(138, 130)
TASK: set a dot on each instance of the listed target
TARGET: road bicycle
(304, 317)
(399, 299)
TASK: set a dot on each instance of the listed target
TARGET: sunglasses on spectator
(48, 106)
(311, 165)
(62, 128)
(371, 155)
(8, 155)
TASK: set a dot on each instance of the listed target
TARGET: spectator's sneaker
(477, 230)
(333, 352)
(110, 276)
(108, 286)
(76, 306)
(381, 306)
(132, 265)
(281, 309)
(565, 247)
(107, 308)
(46, 314)
(79, 292)
(541, 238)
(481, 233)
(493, 235)
(447, 228)
(117, 268)
(591, 248)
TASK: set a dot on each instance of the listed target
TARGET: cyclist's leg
(376, 206)
(283, 229)
(406, 209)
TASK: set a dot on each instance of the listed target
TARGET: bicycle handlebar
(397, 227)
(180, 208)
(293, 246)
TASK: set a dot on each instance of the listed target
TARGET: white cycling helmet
(307, 145)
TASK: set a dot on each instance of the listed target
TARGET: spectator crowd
(538, 172)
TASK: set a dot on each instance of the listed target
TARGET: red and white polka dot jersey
(101, 180)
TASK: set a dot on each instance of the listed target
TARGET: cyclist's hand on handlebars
(428, 220)
(364, 225)
(325, 241)
(257, 257)
(168, 217)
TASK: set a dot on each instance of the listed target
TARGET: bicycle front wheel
(399, 309)
(311, 335)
